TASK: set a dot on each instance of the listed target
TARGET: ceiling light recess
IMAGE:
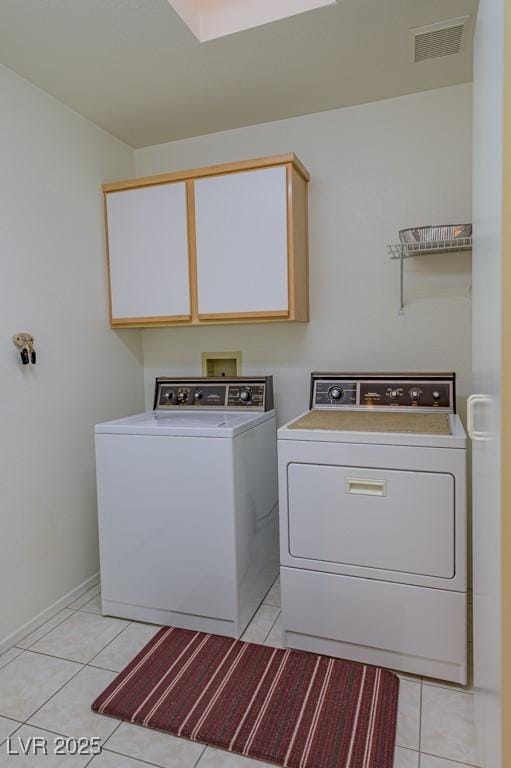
(209, 19)
(433, 41)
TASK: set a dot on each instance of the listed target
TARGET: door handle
(362, 487)
(472, 403)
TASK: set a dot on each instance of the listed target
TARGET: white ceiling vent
(441, 39)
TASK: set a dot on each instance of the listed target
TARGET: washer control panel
(237, 393)
(384, 391)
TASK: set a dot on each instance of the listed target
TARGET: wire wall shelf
(429, 247)
(403, 251)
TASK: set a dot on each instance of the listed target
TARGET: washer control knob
(169, 396)
(393, 394)
(336, 393)
(182, 397)
(435, 395)
(245, 396)
(415, 393)
(197, 396)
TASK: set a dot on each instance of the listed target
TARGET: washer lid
(185, 423)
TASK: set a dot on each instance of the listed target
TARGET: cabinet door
(148, 253)
(242, 245)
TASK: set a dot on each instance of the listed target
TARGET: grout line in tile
(12, 719)
(409, 749)
(446, 687)
(73, 610)
(109, 643)
(19, 724)
(116, 671)
(38, 728)
(82, 667)
(97, 587)
(13, 647)
(116, 752)
(122, 754)
(263, 602)
(270, 589)
(104, 669)
(114, 731)
(83, 663)
(52, 656)
(405, 677)
(46, 633)
(450, 759)
(270, 630)
(200, 756)
(420, 716)
(4, 741)
(27, 721)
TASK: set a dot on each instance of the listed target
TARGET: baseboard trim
(48, 613)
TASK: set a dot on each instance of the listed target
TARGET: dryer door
(397, 521)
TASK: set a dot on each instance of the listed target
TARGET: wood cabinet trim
(132, 322)
(108, 269)
(299, 252)
(212, 170)
(290, 244)
(243, 315)
(192, 249)
(250, 319)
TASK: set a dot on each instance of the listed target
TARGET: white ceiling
(136, 69)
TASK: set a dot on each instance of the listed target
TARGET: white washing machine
(373, 528)
(187, 501)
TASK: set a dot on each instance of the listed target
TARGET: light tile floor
(48, 682)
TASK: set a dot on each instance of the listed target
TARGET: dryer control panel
(384, 391)
(237, 393)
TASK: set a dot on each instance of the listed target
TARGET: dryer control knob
(436, 395)
(197, 396)
(336, 393)
(182, 397)
(393, 394)
(245, 396)
(415, 393)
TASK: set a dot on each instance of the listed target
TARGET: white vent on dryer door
(444, 38)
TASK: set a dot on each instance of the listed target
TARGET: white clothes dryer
(373, 523)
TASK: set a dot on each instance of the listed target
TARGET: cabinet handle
(472, 402)
(360, 487)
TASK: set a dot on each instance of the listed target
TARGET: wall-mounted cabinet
(225, 244)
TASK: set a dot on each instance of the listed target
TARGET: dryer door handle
(472, 403)
(359, 486)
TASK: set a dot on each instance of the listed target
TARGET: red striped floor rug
(292, 708)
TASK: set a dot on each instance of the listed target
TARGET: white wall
(53, 285)
(488, 212)
(374, 169)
